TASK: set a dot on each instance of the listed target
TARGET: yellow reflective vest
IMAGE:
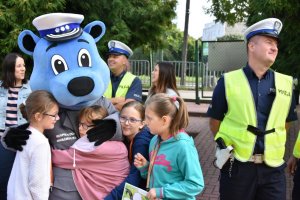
(122, 88)
(296, 151)
(241, 113)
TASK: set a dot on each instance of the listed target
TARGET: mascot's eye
(58, 64)
(84, 58)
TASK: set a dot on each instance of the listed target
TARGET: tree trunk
(185, 42)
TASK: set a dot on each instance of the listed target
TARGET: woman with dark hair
(163, 80)
(14, 90)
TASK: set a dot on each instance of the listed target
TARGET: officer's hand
(117, 100)
(104, 130)
(292, 165)
(17, 136)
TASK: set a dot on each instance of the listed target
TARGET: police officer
(294, 169)
(124, 86)
(251, 109)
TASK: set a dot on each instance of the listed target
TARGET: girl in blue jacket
(173, 171)
(137, 139)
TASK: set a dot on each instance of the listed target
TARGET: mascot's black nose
(81, 86)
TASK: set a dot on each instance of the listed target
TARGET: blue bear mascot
(68, 65)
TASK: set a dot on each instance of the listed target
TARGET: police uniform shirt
(134, 91)
(263, 91)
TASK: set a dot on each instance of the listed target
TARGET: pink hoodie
(96, 170)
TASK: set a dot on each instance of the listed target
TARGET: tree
(135, 22)
(185, 40)
(231, 37)
(16, 16)
(173, 48)
(288, 11)
(173, 51)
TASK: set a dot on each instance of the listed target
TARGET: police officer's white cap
(119, 48)
(59, 26)
(269, 27)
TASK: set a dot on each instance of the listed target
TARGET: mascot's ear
(27, 41)
(96, 29)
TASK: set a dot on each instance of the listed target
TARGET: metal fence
(217, 58)
(224, 55)
(143, 69)
(207, 79)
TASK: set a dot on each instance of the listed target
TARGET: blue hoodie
(140, 145)
(176, 173)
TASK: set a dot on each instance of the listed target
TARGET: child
(30, 176)
(96, 169)
(174, 170)
(137, 138)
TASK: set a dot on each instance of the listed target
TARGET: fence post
(151, 64)
(197, 101)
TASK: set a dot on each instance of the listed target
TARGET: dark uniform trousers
(250, 181)
(7, 158)
(296, 188)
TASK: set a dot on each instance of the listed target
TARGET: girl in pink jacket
(96, 169)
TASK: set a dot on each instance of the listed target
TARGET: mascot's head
(66, 59)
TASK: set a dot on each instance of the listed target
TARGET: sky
(197, 17)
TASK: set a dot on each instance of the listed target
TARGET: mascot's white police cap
(119, 48)
(59, 26)
(269, 27)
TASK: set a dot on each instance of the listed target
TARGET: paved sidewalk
(199, 129)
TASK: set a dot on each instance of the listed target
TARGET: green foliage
(231, 38)
(16, 16)
(288, 11)
(172, 49)
(135, 22)
(229, 11)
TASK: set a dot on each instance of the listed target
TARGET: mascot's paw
(17, 136)
(104, 130)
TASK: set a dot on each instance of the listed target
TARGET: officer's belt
(257, 158)
(259, 132)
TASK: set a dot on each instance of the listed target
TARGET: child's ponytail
(22, 108)
(174, 106)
